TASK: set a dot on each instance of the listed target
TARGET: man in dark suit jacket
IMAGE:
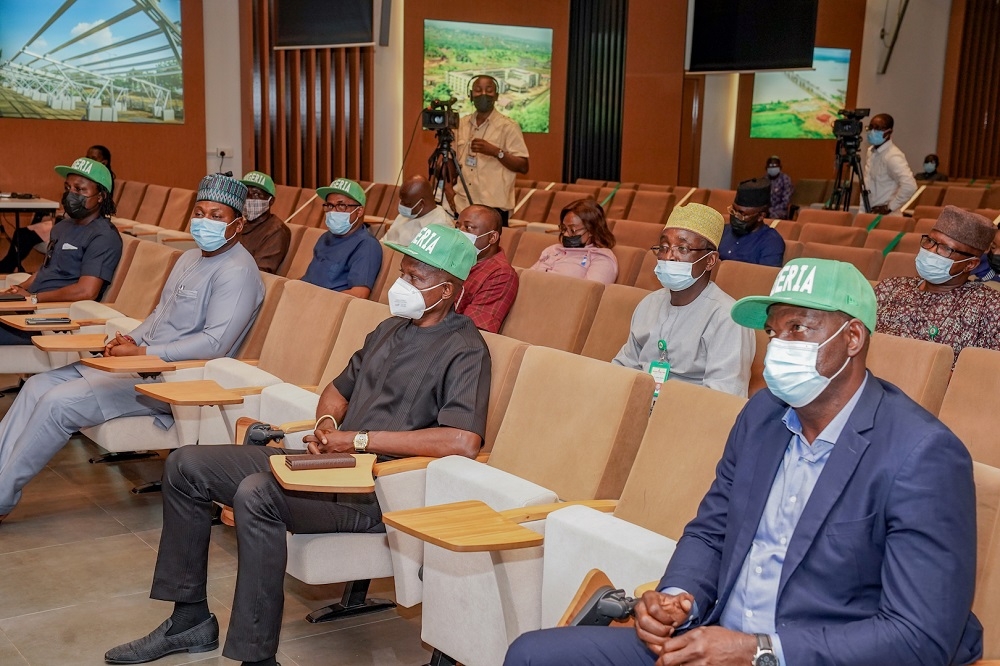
(841, 525)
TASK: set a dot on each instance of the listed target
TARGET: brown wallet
(320, 461)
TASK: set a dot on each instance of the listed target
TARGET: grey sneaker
(202, 638)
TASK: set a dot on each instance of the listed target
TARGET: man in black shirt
(84, 247)
(418, 387)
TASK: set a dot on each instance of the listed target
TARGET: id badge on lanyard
(659, 369)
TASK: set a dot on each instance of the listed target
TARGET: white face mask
(934, 268)
(408, 212)
(676, 275)
(407, 301)
(790, 370)
(473, 238)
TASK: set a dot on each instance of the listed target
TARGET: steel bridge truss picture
(97, 60)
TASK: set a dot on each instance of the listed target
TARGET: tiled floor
(76, 560)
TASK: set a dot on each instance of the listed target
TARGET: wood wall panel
(313, 116)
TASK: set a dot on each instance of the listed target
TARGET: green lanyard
(659, 369)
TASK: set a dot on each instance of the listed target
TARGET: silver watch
(765, 652)
(34, 299)
(500, 154)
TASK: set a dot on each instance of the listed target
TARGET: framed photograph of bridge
(107, 61)
(801, 104)
(518, 57)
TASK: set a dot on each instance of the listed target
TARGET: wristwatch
(361, 443)
(500, 154)
(765, 652)
(34, 299)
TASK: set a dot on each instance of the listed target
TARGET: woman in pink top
(585, 248)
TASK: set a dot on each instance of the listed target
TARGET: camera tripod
(848, 168)
(441, 162)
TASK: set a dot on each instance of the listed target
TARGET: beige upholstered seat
(300, 261)
(721, 200)
(130, 198)
(895, 223)
(818, 216)
(739, 279)
(612, 321)
(177, 210)
(253, 343)
(530, 248)
(649, 206)
(553, 310)
(898, 264)
(636, 234)
(963, 197)
(879, 239)
(559, 201)
(832, 234)
(866, 260)
(617, 208)
(285, 197)
(629, 262)
(788, 229)
(919, 368)
(151, 208)
(986, 604)
(969, 403)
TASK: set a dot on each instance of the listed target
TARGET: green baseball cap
(442, 247)
(820, 284)
(89, 169)
(344, 186)
(260, 180)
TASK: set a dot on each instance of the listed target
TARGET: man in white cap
(206, 308)
(684, 331)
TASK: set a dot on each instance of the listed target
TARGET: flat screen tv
(750, 35)
(322, 23)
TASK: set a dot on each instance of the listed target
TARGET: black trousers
(196, 476)
(504, 216)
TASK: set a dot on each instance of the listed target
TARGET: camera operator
(490, 150)
(887, 174)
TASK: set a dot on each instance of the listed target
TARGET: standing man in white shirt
(887, 174)
(491, 152)
(417, 209)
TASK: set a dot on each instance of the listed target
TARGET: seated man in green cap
(943, 305)
(84, 247)
(206, 308)
(348, 258)
(265, 235)
(684, 331)
(369, 407)
(836, 506)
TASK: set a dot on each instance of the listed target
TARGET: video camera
(850, 125)
(441, 115)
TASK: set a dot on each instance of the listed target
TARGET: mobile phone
(46, 321)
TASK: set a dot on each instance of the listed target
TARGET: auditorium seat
(117, 194)
(721, 200)
(509, 239)
(151, 208)
(832, 235)
(559, 201)
(788, 229)
(585, 191)
(131, 199)
(524, 183)
(898, 264)
(252, 344)
(296, 268)
(931, 196)
(986, 604)
(682, 191)
(297, 231)
(819, 216)
(553, 310)
(646, 279)
(969, 403)
(612, 321)
(141, 286)
(963, 197)
(388, 205)
(879, 239)
(636, 234)
(924, 225)
(921, 212)
(650, 206)
(886, 222)
(629, 262)
(919, 368)
(535, 208)
(793, 250)
(129, 245)
(548, 186)
(739, 279)
(990, 213)
(384, 280)
(811, 190)
(673, 469)
(992, 198)
(308, 210)
(617, 208)
(653, 187)
(177, 212)
(285, 197)
(590, 182)
(866, 260)
(599, 404)
(530, 247)
(757, 366)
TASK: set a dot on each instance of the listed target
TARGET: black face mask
(75, 205)
(994, 261)
(483, 103)
(741, 228)
(573, 241)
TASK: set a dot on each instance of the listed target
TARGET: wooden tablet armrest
(170, 240)
(528, 514)
(644, 588)
(297, 426)
(90, 322)
(187, 365)
(45, 305)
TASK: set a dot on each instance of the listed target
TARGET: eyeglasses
(571, 232)
(680, 251)
(743, 217)
(340, 207)
(929, 243)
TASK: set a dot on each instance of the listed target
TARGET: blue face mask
(934, 268)
(338, 223)
(773, 171)
(930, 167)
(876, 137)
(210, 235)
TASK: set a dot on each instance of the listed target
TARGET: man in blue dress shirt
(841, 525)
(747, 238)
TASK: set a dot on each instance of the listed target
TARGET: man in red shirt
(491, 287)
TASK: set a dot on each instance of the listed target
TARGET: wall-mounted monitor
(112, 61)
(518, 57)
(301, 24)
(801, 104)
(750, 35)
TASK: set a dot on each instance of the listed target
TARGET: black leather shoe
(202, 638)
